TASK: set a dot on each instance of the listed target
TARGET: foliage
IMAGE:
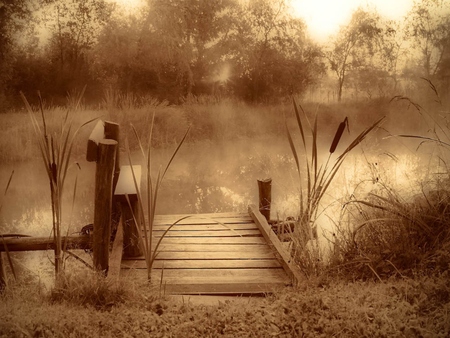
(318, 178)
(397, 308)
(56, 150)
(351, 46)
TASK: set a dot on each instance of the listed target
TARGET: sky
(323, 17)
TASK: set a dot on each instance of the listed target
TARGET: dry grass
(397, 308)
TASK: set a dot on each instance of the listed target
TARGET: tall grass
(318, 178)
(56, 150)
(152, 189)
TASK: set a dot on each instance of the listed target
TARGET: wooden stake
(265, 197)
(103, 202)
(131, 240)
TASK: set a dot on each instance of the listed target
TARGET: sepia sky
(324, 17)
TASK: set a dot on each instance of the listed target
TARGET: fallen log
(45, 243)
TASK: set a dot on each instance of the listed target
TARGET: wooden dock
(223, 253)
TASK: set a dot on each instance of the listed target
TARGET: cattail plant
(318, 177)
(152, 189)
(56, 151)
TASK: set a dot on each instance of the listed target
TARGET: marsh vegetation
(370, 233)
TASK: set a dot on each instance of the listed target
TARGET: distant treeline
(253, 50)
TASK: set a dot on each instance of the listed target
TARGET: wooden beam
(265, 197)
(284, 256)
(112, 132)
(96, 136)
(103, 203)
(46, 243)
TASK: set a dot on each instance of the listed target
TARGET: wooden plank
(261, 254)
(229, 215)
(203, 220)
(3, 279)
(210, 227)
(96, 136)
(214, 240)
(116, 255)
(211, 248)
(182, 276)
(205, 264)
(125, 184)
(284, 256)
(46, 243)
(225, 233)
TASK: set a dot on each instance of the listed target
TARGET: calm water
(207, 177)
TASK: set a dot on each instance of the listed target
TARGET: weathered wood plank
(46, 243)
(225, 233)
(203, 220)
(206, 264)
(284, 256)
(116, 254)
(181, 276)
(266, 254)
(96, 136)
(209, 227)
(214, 240)
(212, 248)
(209, 215)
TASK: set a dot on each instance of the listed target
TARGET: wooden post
(112, 133)
(3, 280)
(265, 197)
(126, 187)
(103, 202)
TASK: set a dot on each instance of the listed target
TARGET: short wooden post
(126, 187)
(112, 131)
(3, 280)
(103, 202)
(265, 197)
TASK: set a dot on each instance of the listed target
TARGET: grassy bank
(416, 307)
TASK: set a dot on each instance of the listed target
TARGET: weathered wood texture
(265, 197)
(96, 136)
(112, 132)
(103, 203)
(201, 256)
(277, 246)
(46, 243)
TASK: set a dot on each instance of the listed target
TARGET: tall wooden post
(265, 197)
(103, 202)
(112, 131)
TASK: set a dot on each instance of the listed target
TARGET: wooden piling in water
(103, 202)
(265, 197)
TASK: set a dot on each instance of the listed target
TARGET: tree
(75, 27)
(428, 29)
(354, 43)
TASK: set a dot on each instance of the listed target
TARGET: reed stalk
(56, 150)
